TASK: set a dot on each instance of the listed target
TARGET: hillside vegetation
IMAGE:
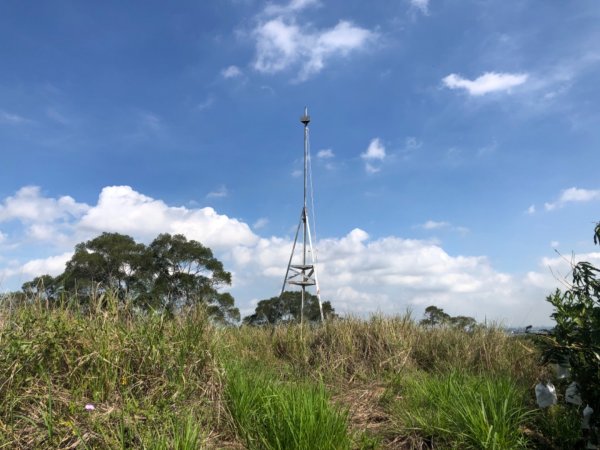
(109, 376)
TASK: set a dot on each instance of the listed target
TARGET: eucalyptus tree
(286, 309)
(169, 274)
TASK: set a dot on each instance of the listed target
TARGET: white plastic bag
(572, 394)
(545, 394)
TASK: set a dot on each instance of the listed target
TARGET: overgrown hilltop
(164, 381)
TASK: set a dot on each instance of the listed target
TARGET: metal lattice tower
(304, 274)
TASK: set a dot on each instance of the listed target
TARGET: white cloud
(421, 5)
(439, 225)
(573, 195)
(2, 237)
(282, 43)
(433, 225)
(123, 210)
(28, 205)
(325, 154)
(357, 273)
(554, 244)
(556, 272)
(375, 151)
(219, 193)
(531, 210)
(360, 275)
(486, 83)
(231, 72)
(53, 265)
(260, 223)
(292, 7)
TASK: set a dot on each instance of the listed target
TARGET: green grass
(160, 382)
(459, 410)
(271, 414)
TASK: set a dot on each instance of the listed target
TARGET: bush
(576, 337)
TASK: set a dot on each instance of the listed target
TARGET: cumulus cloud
(282, 43)
(556, 272)
(121, 209)
(486, 83)
(358, 274)
(53, 265)
(231, 72)
(530, 210)
(375, 153)
(29, 205)
(573, 195)
(361, 275)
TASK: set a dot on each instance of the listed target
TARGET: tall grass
(165, 382)
(137, 371)
(356, 349)
(282, 416)
(465, 411)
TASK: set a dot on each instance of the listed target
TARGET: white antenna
(304, 274)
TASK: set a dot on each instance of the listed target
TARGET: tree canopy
(168, 274)
(286, 309)
(436, 316)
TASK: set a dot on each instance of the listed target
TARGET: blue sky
(453, 144)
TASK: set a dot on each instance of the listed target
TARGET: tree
(576, 336)
(463, 322)
(434, 316)
(181, 272)
(43, 287)
(286, 309)
(169, 274)
(109, 262)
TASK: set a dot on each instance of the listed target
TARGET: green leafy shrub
(576, 336)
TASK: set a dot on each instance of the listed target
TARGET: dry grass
(152, 379)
